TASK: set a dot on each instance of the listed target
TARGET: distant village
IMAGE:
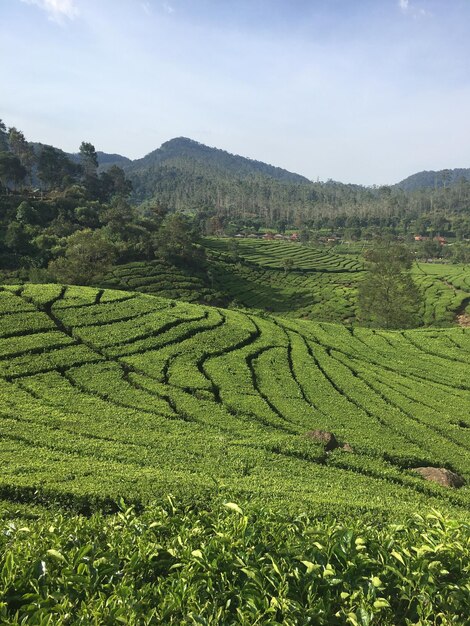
(331, 239)
(269, 236)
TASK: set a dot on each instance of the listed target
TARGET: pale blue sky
(365, 91)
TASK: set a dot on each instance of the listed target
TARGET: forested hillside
(434, 180)
(184, 175)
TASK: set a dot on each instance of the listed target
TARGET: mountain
(433, 179)
(105, 160)
(183, 175)
(183, 151)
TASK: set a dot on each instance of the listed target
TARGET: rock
(324, 437)
(347, 447)
(441, 476)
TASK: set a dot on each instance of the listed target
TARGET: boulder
(323, 436)
(347, 447)
(441, 476)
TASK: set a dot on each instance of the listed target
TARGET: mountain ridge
(427, 179)
(245, 167)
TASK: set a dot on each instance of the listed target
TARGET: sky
(362, 91)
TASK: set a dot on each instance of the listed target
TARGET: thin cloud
(146, 7)
(412, 10)
(56, 10)
(168, 8)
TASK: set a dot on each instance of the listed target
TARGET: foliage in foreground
(224, 566)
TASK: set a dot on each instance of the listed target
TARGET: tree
(11, 170)
(3, 137)
(88, 158)
(432, 249)
(114, 184)
(55, 169)
(22, 149)
(175, 238)
(89, 163)
(287, 264)
(18, 238)
(117, 217)
(388, 297)
(87, 255)
(26, 214)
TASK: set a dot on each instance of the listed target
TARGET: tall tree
(88, 158)
(388, 297)
(175, 239)
(55, 169)
(88, 254)
(11, 170)
(22, 149)
(114, 183)
(3, 137)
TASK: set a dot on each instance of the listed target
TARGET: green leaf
(363, 616)
(352, 619)
(398, 556)
(311, 567)
(8, 565)
(56, 555)
(381, 603)
(233, 507)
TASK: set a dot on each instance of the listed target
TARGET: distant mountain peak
(181, 149)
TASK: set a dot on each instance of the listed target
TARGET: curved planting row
(446, 291)
(317, 295)
(274, 254)
(107, 393)
(160, 278)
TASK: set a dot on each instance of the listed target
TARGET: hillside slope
(136, 396)
(186, 151)
(432, 179)
(289, 279)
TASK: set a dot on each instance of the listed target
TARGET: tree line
(78, 221)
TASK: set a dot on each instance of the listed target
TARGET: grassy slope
(108, 393)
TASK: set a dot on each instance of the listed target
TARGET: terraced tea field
(446, 291)
(273, 254)
(161, 278)
(109, 393)
(318, 283)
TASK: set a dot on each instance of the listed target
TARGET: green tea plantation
(168, 462)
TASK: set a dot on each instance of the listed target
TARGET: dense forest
(58, 211)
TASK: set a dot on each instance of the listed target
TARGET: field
(272, 254)
(113, 400)
(160, 278)
(137, 396)
(165, 461)
(318, 283)
(446, 291)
